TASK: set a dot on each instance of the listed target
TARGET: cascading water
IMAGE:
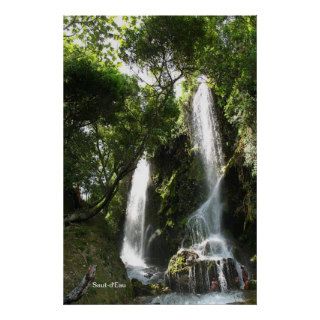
(210, 268)
(204, 225)
(206, 133)
(134, 232)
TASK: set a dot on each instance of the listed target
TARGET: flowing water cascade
(133, 248)
(205, 223)
(136, 233)
(211, 264)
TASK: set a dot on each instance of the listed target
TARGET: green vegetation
(177, 264)
(140, 289)
(112, 117)
(90, 244)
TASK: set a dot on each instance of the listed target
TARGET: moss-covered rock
(141, 289)
(178, 188)
(188, 273)
(181, 262)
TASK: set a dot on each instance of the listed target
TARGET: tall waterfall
(134, 232)
(204, 225)
(206, 134)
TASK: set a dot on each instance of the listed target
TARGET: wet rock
(141, 289)
(188, 273)
(231, 274)
(207, 249)
(149, 275)
(180, 262)
(157, 278)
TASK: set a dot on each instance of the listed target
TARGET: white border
(31, 161)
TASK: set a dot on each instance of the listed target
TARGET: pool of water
(153, 274)
(234, 297)
(146, 275)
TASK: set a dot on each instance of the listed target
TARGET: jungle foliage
(112, 118)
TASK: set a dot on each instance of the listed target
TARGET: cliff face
(178, 188)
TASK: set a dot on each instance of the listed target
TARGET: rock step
(187, 273)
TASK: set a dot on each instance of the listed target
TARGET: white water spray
(134, 232)
(205, 223)
(206, 133)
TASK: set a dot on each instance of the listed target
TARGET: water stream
(136, 240)
(204, 225)
(133, 249)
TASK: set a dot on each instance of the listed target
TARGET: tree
(165, 45)
(116, 118)
(98, 100)
(222, 48)
(92, 32)
(109, 123)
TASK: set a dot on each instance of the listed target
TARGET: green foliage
(177, 264)
(254, 259)
(223, 49)
(141, 289)
(160, 114)
(230, 53)
(240, 111)
(79, 160)
(92, 89)
(230, 60)
(92, 32)
(110, 118)
(114, 214)
(102, 121)
(160, 39)
(90, 244)
(164, 189)
(253, 284)
(179, 182)
(109, 121)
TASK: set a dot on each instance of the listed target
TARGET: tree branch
(82, 287)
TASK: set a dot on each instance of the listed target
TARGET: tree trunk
(82, 287)
(83, 215)
(86, 214)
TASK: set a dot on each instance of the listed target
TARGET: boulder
(141, 289)
(188, 273)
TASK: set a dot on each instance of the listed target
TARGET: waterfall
(221, 276)
(206, 134)
(204, 224)
(134, 231)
